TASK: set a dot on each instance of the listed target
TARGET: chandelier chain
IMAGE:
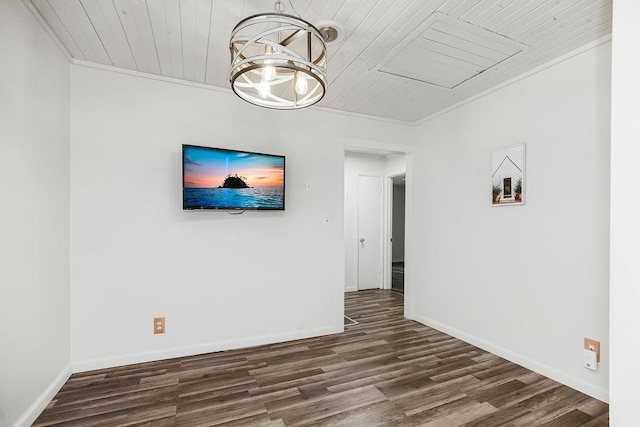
(279, 7)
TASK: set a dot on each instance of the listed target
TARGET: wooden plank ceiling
(401, 60)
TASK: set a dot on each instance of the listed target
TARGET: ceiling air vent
(446, 52)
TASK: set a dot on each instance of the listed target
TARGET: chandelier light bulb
(302, 87)
(264, 88)
(268, 72)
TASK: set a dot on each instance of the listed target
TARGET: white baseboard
(128, 359)
(350, 289)
(36, 408)
(541, 368)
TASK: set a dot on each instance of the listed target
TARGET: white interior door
(369, 232)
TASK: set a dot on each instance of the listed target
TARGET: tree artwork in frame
(507, 176)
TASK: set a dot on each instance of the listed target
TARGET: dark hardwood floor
(384, 371)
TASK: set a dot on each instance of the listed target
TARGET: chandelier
(278, 61)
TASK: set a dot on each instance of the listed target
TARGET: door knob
(361, 240)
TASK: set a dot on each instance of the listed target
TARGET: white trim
(387, 233)
(39, 405)
(225, 90)
(170, 353)
(524, 75)
(370, 146)
(135, 73)
(341, 285)
(409, 252)
(541, 368)
(361, 115)
(388, 258)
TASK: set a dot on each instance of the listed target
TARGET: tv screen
(217, 178)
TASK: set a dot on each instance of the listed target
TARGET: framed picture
(507, 176)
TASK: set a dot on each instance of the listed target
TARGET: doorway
(367, 208)
(398, 191)
(394, 162)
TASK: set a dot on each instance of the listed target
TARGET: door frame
(381, 148)
(388, 233)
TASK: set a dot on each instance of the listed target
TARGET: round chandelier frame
(278, 61)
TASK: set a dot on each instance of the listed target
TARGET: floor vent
(349, 321)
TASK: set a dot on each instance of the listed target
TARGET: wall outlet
(326, 220)
(158, 325)
(593, 345)
(307, 187)
(589, 361)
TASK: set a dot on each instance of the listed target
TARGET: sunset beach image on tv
(216, 178)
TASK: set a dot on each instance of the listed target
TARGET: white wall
(34, 204)
(222, 281)
(537, 309)
(395, 164)
(625, 211)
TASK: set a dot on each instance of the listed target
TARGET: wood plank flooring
(397, 276)
(384, 371)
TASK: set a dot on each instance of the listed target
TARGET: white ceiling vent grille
(446, 52)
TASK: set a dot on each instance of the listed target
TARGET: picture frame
(508, 176)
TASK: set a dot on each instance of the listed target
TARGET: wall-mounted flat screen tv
(217, 178)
